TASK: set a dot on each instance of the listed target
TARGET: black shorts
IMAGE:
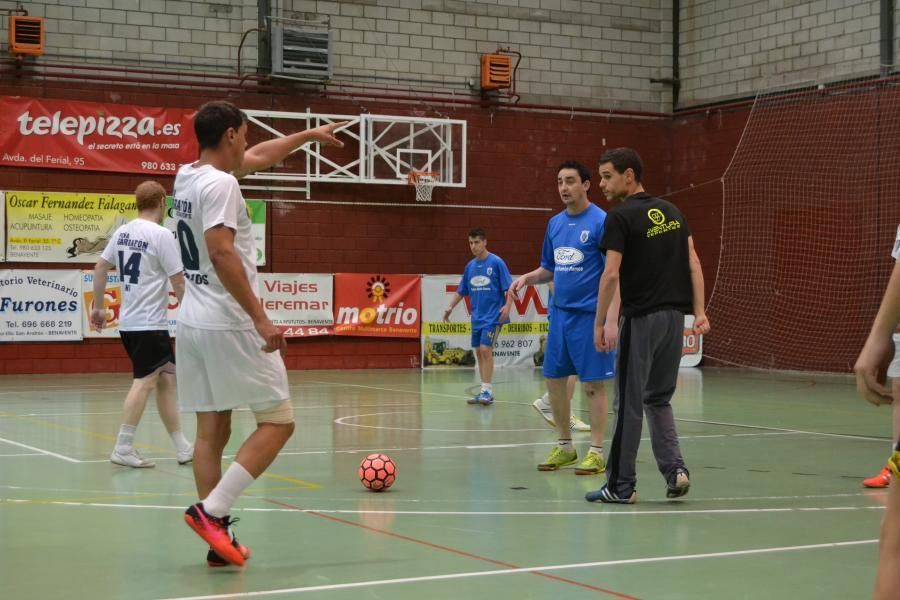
(148, 351)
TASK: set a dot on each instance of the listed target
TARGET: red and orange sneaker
(214, 560)
(214, 530)
(882, 480)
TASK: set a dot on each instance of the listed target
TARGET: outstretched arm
(879, 347)
(271, 152)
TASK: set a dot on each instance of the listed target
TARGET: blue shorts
(485, 337)
(570, 348)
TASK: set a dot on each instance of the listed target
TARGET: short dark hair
(213, 119)
(623, 159)
(478, 232)
(583, 171)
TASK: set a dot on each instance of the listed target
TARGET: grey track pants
(646, 372)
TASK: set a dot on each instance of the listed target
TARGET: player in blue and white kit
(572, 259)
(485, 280)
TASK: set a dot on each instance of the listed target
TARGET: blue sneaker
(485, 398)
(608, 496)
(474, 399)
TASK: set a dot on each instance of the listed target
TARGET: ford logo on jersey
(567, 256)
(479, 281)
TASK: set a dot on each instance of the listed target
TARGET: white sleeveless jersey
(896, 252)
(203, 198)
(145, 255)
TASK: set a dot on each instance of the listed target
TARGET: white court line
(785, 430)
(39, 450)
(23, 454)
(458, 447)
(296, 404)
(604, 563)
(453, 513)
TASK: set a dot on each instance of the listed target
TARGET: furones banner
(93, 136)
(377, 305)
(112, 303)
(257, 211)
(63, 227)
(520, 342)
(299, 305)
(40, 306)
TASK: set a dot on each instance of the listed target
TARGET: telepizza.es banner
(112, 303)
(63, 227)
(520, 344)
(40, 306)
(377, 305)
(38, 132)
(299, 305)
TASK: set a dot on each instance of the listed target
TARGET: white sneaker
(185, 457)
(576, 424)
(544, 410)
(130, 459)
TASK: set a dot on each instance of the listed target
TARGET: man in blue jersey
(572, 260)
(485, 280)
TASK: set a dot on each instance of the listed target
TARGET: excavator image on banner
(439, 353)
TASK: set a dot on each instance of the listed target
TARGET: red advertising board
(377, 305)
(37, 132)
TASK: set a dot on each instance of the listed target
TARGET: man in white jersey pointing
(146, 256)
(227, 347)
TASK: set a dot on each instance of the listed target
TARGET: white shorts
(894, 367)
(224, 370)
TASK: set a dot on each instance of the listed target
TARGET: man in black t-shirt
(650, 254)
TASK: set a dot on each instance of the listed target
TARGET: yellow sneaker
(557, 459)
(894, 463)
(593, 464)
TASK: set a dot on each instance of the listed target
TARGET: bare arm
(98, 312)
(220, 243)
(606, 297)
(271, 152)
(879, 347)
(177, 281)
(539, 275)
(453, 302)
(701, 322)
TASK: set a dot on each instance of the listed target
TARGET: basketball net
(424, 182)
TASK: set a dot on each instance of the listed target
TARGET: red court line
(406, 538)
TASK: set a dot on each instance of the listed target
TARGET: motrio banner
(61, 134)
(375, 305)
(75, 227)
(40, 306)
(520, 344)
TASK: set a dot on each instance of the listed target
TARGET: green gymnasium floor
(776, 509)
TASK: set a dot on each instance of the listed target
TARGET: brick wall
(734, 49)
(512, 162)
(182, 35)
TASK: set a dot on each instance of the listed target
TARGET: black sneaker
(608, 496)
(679, 485)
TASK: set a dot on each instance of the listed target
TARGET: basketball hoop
(424, 182)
